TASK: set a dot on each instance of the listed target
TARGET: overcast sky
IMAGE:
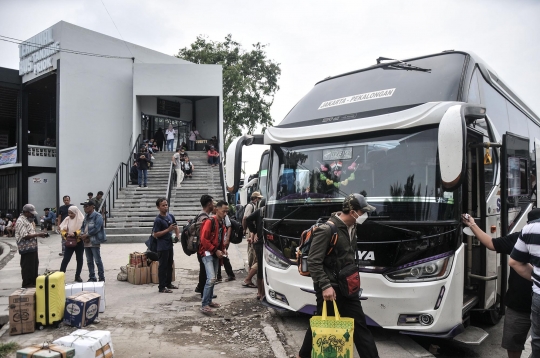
(310, 39)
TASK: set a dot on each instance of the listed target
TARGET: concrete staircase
(135, 209)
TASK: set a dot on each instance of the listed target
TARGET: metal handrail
(119, 181)
(170, 183)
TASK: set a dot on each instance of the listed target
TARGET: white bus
(425, 140)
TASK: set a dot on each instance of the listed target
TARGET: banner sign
(8, 157)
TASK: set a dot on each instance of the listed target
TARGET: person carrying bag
(333, 335)
(70, 228)
(336, 278)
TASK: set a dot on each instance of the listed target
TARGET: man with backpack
(256, 197)
(326, 271)
(207, 203)
(255, 225)
(212, 250)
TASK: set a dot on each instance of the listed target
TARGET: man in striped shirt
(525, 260)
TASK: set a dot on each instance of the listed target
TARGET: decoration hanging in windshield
(358, 98)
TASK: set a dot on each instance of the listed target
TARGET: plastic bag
(332, 336)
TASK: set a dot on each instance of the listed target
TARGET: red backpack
(302, 252)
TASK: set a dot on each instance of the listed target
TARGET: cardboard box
(46, 351)
(89, 344)
(139, 275)
(154, 269)
(81, 309)
(22, 311)
(154, 272)
(138, 259)
(97, 287)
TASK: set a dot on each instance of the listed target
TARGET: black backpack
(190, 237)
(240, 212)
(237, 232)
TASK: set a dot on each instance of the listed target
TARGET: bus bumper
(386, 301)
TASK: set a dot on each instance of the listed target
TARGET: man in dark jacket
(143, 161)
(164, 224)
(255, 224)
(134, 174)
(325, 283)
(517, 321)
(159, 137)
(212, 250)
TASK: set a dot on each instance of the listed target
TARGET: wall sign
(35, 53)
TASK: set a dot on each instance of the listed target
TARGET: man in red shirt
(212, 250)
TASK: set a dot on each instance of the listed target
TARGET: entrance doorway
(151, 124)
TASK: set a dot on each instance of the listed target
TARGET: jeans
(143, 176)
(94, 254)
(192, 145)
(29, 269)
(213, 160)
(363, 340)
(170, 143)
(535, 323)
(165, 268)
(211, 266)
(179, 177)
(79, 251)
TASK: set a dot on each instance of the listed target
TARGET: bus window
(495, 108)
(474, 90)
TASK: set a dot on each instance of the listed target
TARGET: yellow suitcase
(50, 298)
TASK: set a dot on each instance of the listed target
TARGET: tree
(249, 82)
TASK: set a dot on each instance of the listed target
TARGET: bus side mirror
(233, 159)
(451, 145)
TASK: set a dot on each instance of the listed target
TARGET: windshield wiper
(400, 65)
(289, 214)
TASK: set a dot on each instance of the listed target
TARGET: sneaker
(78, 279)
(91, 280)
(139, 186)
(101, 279)
(145, 186)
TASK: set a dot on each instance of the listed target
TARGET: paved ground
(146, 323)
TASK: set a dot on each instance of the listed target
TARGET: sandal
(214, 305)
(206, 310)
(249, 285)
(166, 290)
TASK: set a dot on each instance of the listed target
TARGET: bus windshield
(398, 173)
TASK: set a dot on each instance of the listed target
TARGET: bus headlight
(437, 269)
(275, 261)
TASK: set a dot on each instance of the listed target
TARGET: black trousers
(29, 269)
(363, 340)
(228, 268)
(202, 274)
(79, 256)
(166, 258)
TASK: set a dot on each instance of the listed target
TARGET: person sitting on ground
(10, 227)
(2, 226)
(213, 156)
(48, 220)
(134, 173)
(187, 167)
(155, 148)
(71, 227)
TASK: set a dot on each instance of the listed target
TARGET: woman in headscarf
(71, 228)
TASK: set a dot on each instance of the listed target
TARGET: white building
(93, 95)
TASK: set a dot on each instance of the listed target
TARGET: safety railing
(41, 151)
(119, 181)
(170, 183)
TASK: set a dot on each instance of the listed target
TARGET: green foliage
(7, 348)
(249, 82)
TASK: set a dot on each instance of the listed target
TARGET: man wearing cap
(321, 267)
(525, 260)
(93, 234)
(256, 197)
(26, 237)
(518, 299)
(213, 156)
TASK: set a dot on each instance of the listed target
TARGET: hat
(534, 214)
(89, 202)
(256, 194)
(30, 208)
(211, 147)
(357, 202)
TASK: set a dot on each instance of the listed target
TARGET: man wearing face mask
(323, 269)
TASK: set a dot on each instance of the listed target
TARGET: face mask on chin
(360, 219)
